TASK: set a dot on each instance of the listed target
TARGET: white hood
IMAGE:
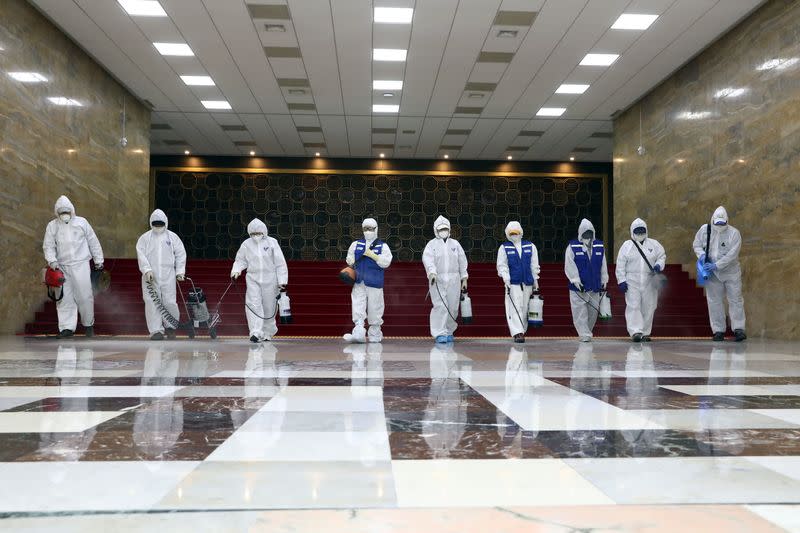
(584, 226)
(719, 215)
(159, 216)
(440, 223)
(256, 226)
(63, 202)
(513, 225)
(638, 223)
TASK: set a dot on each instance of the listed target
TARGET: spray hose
(247, 305)
(162, 309)
(590, 304)
(521, 322)
(444, 302)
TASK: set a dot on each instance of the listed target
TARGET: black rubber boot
(740, 335)
(64, 333)
(158, 336)
(170, 333)
(718, 337)
(519, 338)
(253, 339)
(646, 338)
(89, 331)
(637, 337)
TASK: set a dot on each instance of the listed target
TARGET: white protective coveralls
(367, 302)
(446, 262)
(70, 245)
(162, 254)
(726, 242)
(517, 296)
(584, 315)
(266, 272)
(641, 298)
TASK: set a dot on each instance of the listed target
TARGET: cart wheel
(191, 333)
(212, 333)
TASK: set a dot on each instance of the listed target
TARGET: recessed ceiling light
(730, 92)
(382, 154)
(551, 111)
(186, 152)
(385, 108)
(142, 8)
(598, 60)
(389, 54)
(572, 158)
(780, 63)
(297, 92)
(507, 34)
(388, 95)
(475, 96)
(446, 156)
(740, 160)
(681, 160)
(62, 100)
(138, 151)
(316, 154)
(197, 80)
(387, 85)
(216, 104)
(278, 28)
(252, 152)
(28, 77)
(509, 157)
(568, 88)
(71, 150)
(619, 160)
(394, 15)
(173, 49)
(633, 21)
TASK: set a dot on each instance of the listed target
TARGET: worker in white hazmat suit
(725, 273)
(369, 257)
(267, 275)
(446, 266)
(587, 271)
(162, 261)
(518, 266)
(69, 243)
(638, 263)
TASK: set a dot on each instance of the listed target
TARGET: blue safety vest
(589, 269)
(367, 270)
(519, 268)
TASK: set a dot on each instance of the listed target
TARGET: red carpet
(321, 303)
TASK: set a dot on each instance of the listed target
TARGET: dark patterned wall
(318, 216)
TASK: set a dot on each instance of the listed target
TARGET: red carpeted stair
(321, 303)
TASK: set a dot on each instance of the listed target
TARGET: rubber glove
(235, 275)
(98, 266)
(149, 277)
(180, 277)
(372, 255)
(54, 265)
(579, 286)
(711, 267)
(657, 269)
(282, 288)
(464, 284)
(702, 258)
(623, 287)
(432, 277)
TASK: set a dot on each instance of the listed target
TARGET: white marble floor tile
(10, 403)
(700, 419)
(281, 421)
(328, 399)
(558, 408)
(736, 390)
(88, 392)
(489, 483)
(785, 516)
(88, 486)
(228, 391)
(791, 416)
(785, 465)
(291, 485)
(689, 374)
(359, 446)
(687, 480)
(53, 422)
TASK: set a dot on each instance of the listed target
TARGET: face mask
(159, 230)
(258, 237)
(515, 237)
(640, 237)
(444, 233)
(719, 227)
(370, 235)
(65, 217)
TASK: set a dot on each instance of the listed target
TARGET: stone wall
(48, 150)
(725, 130)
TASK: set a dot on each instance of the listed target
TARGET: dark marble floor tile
(85, 404)
(760, 402)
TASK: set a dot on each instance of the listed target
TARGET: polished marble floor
(314, 435)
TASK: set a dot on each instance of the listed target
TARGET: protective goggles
(640, 231)
(158, 224)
